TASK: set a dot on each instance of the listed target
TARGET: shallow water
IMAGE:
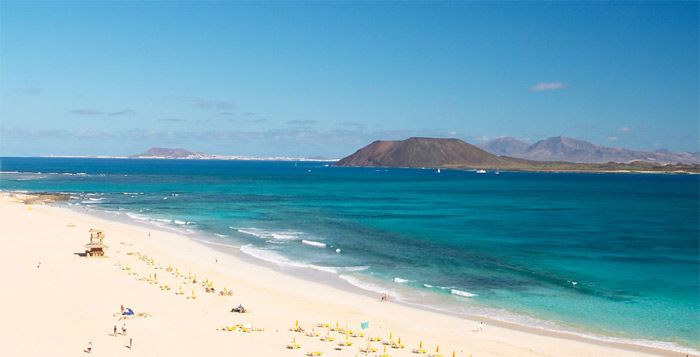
(613, 254)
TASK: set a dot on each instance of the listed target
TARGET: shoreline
(335, 281)
(168, 247)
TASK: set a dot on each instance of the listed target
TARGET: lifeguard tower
(96, 247)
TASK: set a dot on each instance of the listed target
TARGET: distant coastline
(209, 157)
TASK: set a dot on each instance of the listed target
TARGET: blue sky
(303, 79)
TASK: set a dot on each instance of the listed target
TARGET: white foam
(271, 256)
(364, 285)
(313, 243)
(136, 216)
(371, 287)
(356, 268)
(461, 293)
(263, 234)
(401, 281)
(219, 244)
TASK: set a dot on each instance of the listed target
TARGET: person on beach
(89, 347)
(122, 308)
(124, 329)
(115, 330)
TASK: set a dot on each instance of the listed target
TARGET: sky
(324, 79)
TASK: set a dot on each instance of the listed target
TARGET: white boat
(438, 170)
(481, 171)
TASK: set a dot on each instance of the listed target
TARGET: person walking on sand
(115, 330)
(122, 308)
(124, 329)
(89, 348)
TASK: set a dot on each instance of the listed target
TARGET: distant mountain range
(179, 153)
(455, 153)
(167, 153)
(561, 148)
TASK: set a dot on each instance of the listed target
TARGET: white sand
(56, 309)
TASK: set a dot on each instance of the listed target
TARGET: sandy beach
(57, 302)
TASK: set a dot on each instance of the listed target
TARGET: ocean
(611, 256)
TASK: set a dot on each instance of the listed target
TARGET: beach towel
(128, 312)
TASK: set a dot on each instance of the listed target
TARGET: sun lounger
(293, 345)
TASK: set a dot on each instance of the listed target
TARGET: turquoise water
(609, 254)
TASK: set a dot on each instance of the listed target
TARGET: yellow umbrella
(453, 354)
(390, 338)
(437, 350)
(420, 345)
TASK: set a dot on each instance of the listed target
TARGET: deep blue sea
(614, 255)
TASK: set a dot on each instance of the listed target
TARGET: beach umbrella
(420, 345)
(296, 324)
(390, 336)
(437, 350)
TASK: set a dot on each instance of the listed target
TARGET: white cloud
(547, 86)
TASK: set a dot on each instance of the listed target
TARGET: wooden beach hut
(96, 247)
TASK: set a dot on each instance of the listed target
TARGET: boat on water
(481, 171)
(438, 170)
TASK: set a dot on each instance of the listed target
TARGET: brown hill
(425, 152)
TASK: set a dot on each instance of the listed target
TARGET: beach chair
(346, 343)
(384, 354)
(420, 349)
(312, 333)
(294, 345)
(314, 353)
(390, 341)
(368, 349)
(296, 327)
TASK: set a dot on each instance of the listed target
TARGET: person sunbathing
(240, 309)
